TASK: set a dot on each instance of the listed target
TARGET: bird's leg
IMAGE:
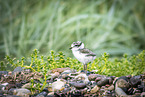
(85, 68)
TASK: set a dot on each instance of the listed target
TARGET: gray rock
(19, 85)
(120, 92)
(92, 77)
(42, 94)
(98, 79)
(83, 77)
(135, 80)
(67, 71)
(21, 92)
(3, 73)
(2, 86)
(121, 83)
(11, 91)
(57, 85)
(11, 85)
(27, 86)
(60, 70)
(103, 82)
(72, 83)
(110, 87)
(95, 89)
(79, 85)
(121, 87)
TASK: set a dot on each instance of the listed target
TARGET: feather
(87, 52)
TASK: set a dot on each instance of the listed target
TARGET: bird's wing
(87, 52)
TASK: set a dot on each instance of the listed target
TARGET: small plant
(32, 86)
(128, 65)
(2, 66)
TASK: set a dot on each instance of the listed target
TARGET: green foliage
(32, 86)
(133, 65)
(113, 26)
(2, 66)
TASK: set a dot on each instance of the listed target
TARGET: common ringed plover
(83, 55)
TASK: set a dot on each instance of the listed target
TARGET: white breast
(82, 57)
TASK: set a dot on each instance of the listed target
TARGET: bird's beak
(70, 48)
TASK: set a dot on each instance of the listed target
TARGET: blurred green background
(112, 26)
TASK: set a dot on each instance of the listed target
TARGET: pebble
(11, 85)
(19, 85)
(60, 70)
(21, 92)
(67, 71)
(65, 82)
(2, 86)
(135, 80)
(57, 85)
(51, 94)
(103, 82)
(95, 89)
(120, 92)
(122, 83)
(3, 73)
(92, 77)
(98, 79)
(82, 77)
(27, 86)
(11, 91)
(110, 87)
(79, 85)
(42, 94)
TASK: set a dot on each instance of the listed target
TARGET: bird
(82, 54)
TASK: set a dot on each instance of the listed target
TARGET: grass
(114, 26)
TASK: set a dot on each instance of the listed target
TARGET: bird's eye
(77, 44)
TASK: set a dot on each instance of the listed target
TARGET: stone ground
(64, 82)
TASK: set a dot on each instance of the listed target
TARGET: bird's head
(77, 45)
